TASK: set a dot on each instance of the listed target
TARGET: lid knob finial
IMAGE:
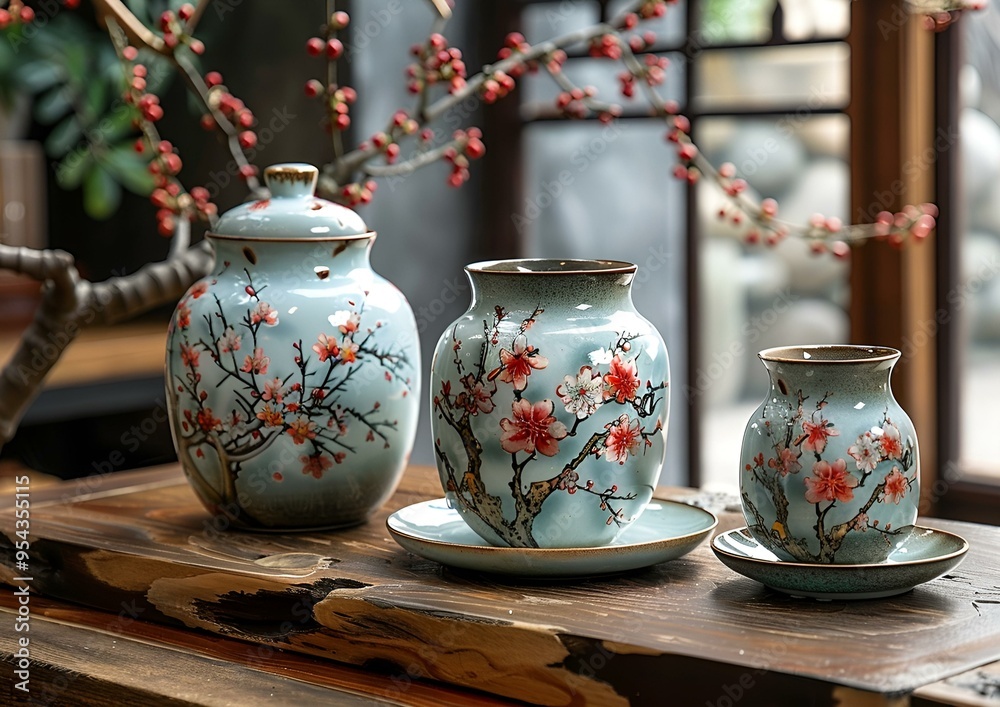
(291, 179)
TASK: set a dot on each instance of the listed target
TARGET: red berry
(165, 147)
(199, 194)
(334, 48)
(314, 47)
(152, 112)
(166, 18)
(342, 122)
(27, 14)
(313, 88)
(139, 70)
(174, 163)
(4, 18)
(350, 95)
(391, 153)
(160, 198)
(197, 46)
(71, 4)
(247, 171)
(248, 139)
(246, 119)
(339, 20)
(213, 78)
(185, 11)
(139, 146)
(130, 53)
(170, 40)
(166, 227)
(475, 148)
(207, 122)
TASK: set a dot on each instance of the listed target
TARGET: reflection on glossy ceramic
(665, 531)
(923, 555)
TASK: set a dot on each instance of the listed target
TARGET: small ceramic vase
(549, 404)
(292, 369)
(830, 468)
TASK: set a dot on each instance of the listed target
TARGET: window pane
(811, 76)
(978, 294)
(735, 21)
(729, 21)
(550, 19)
(595, 191)
(755, 297)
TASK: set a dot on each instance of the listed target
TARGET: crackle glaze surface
(292, 369)
(549, 404)
(830, 467)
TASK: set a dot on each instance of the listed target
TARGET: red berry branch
(940, 14)
(337, 99)
(407, 143)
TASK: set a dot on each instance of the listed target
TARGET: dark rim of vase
(552, 266)
(370, 235)
(829, 353)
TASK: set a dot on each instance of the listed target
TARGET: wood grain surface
(140, 543)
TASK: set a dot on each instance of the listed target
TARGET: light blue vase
(830, 470)
(549, 404)
(293, 369)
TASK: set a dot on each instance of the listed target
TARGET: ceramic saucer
(925, 555)
(665, 531)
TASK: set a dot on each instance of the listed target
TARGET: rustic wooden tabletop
(139, 595)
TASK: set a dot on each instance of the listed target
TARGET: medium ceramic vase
(830, 467)
(292, 369)
(549, 404)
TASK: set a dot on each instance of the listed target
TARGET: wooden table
(165, 608)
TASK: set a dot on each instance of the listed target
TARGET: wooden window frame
(900, 298)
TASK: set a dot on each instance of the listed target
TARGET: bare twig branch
(69, 304)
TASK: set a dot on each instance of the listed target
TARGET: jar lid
(292, 211)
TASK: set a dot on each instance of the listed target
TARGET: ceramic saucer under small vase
(665, 531)
(924, 555)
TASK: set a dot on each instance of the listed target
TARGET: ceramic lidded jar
(293, 368)
(830, 470)
(549, 404)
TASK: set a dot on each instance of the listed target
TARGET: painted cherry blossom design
(306, 406)
(830, 482)
(543, 424)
